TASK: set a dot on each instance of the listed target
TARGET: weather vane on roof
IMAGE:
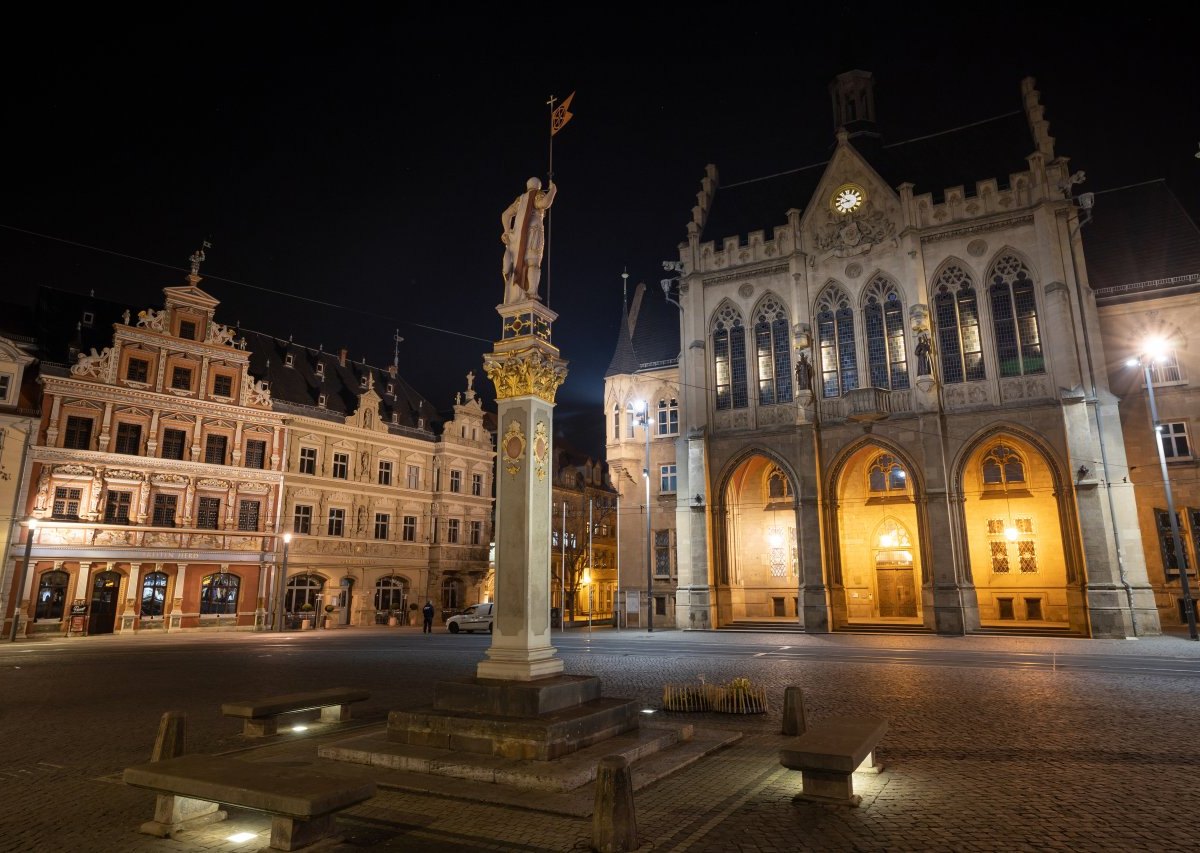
(197, 258)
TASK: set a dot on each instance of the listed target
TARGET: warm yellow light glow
(587, 577)
(1011, 533)
(775, 540)
(887, 540)
(299, 728)
(287, 537)
(1156, 348)
(240, 837)
(31, 523)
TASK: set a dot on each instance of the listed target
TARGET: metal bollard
(614, 826)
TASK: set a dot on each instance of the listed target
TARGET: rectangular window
(187, 329)
(381, 525)
(341, 466)
(164, 510)
(477, 485)
(173, 443)
(413, 478)
(337, 522)
(78, 434)
(660, 605)
(475, 531)
(456, 481)
(385, 473)
(222, 385)
(129, 439)
(1175, 440)
(999, 557)
(66, 503)
(208, 514)
(410, 528)
(302, 519)
(116, 507)
(1004, 608)
(452, 525)
(1165, 369)
(248, 515)
(181, 378)
(214, 449)
(1033, 609)
(662, 553)
(668, 417)
(137, 370)
(1166, 543)
(256, 453)
(5, 386)
(1026, 556)
(308, 460)
(667, 479)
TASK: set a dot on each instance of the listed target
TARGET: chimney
(342, 356)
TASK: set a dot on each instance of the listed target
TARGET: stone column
(132, 604)
(175, 619)
(81, 582)
(527, 372)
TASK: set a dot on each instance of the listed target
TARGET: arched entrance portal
(1013, 517)
(878, 539)
(758, 573)
(102, 613)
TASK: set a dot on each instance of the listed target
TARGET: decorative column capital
(525, 373)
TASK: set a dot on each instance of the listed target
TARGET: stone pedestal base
(175, 814)
(540, 720)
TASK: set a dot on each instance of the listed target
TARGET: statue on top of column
(524, 239)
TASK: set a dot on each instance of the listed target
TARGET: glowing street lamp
(282, 594)
(1156, 350)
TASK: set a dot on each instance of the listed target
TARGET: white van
(477, 617)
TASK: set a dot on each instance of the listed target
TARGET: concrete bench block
(261, 715)
(829, 753)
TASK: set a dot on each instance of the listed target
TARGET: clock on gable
(847, 198)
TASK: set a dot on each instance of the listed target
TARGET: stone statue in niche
(804, 372)
(923, 352)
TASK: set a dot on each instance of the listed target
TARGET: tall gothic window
(772, 349)
(1014, 313)
(729, 354)
(887, 475)
(956, 316)
(883, 317)
(835, 332)
(1003, 466)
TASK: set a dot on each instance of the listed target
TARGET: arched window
(219, 593)
(772, 350)
(778, 486)
(391, 593)
(51, 596)
(956, 316)
(1014, 314)
(887, 475)
(616, 433)
(729, 356)
(302, 590)
(883, 319)
(451, 593)
(154, 594)
(1002, 466)
(835, 333)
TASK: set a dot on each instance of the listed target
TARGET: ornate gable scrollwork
(73, 471)
(153, 320)
(855, 234)
(255, 393)
(218, 334)
(98, 365)
(123, 474)
(212, 483)
(169, 479)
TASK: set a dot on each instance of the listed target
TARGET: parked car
(477, 617)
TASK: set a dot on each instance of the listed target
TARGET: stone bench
(828, 754)
(302, 801)
(262, 715)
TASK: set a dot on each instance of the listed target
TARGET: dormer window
(187, 329)
(420, 423)
(391, 389)
(287, 360)
(88, 318)
(395, 418)
(362, 382)
(320, 370)
(321, 401)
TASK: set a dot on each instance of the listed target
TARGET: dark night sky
(363, 158)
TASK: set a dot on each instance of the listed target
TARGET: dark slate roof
(624, 359)
(59, 323)
(656, 331)
(993, 148)
(1138, 234)
(341, 385)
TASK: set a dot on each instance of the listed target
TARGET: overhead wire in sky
(258, 287)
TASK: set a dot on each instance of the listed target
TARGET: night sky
(361, 159)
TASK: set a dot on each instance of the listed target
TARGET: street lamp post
(30, 526)
(282, 594)
(642, 407)
(1154, 352)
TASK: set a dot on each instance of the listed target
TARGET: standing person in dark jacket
(427, 611)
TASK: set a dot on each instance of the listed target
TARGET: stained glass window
(883, 317)
(835, 334)
(956, 317)
(1014, 316)
(729, 353)
(772, 349)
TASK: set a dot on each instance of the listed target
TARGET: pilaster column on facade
(196, 438)
(81, 581)
(143, 500)
(816, 614)
(276, 459)
(694, 600)
(235, 455)
(949, 599)
(52, 426)
(231, 497)
(131, 610)
(105, 429)
(527, 372)
(202, 387)
(152, 440)
(175, 616)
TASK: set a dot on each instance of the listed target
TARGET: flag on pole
(561, 115)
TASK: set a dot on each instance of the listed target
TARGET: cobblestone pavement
(989, 748)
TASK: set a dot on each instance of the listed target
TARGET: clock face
(848, 198)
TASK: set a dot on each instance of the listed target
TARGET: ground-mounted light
(242, 837)
(647, 710)
(299, 728)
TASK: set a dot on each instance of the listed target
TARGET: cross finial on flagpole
(551, 102)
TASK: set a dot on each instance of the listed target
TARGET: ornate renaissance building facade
(894, 399)
(186, 475)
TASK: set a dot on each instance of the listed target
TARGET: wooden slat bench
(829, 752)
(262, 715)
(302, 801)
